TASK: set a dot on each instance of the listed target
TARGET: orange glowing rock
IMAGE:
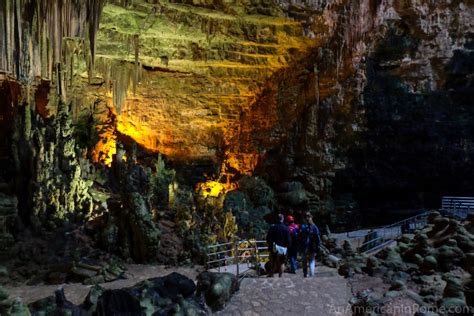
(213, 188)
(104, 151)
(244, 163)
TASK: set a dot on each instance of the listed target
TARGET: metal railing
(383, 236)
(458, 206)
(230, 256)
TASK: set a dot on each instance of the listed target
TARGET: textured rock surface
(217, 288)
(372, 94)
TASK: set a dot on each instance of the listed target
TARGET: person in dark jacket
(278, 240)
(310, 241)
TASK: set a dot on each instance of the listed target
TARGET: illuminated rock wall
(200, 71)
(243, 83)
(226, 83)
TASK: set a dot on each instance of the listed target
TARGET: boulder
(449, 255)
(55, 305)
(394, 261)
(169, 295)
(373, 266)
(348, 250)
(393, 294)
(465, 242)
(398, 285)
(452, 303)
(454, 287)
(217, 288)
(432, 216)
(440, 223)
(420, 246)
(429, 265)
(45, 306)
(352, 265)
(414, 297)
(116, 302)
(90, 302)
(18, 308)
(407, 238)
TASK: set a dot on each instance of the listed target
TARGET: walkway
(326, 294)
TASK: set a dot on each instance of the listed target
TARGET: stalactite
(32, 33)
(119, 76)
(94, 9)
(316, 84)
(136, 44)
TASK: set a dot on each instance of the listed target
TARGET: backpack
(293, 230)
(309, 237)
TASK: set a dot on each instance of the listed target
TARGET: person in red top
(293, 250)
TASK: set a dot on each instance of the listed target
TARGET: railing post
(237, 256)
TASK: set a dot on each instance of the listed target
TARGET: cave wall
(341, 95)
(397, 132)
(417, 143)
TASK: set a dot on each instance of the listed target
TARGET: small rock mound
(217, 288)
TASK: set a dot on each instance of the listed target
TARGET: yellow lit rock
(214, 188)
(200, 72)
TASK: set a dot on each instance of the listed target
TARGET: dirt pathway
(76, 292)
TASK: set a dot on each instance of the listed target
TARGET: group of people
(286, 240)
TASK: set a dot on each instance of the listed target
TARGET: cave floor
(76, 292)
(325, 294)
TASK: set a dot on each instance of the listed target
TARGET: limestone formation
(8, 212)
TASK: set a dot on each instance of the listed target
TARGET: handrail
(252, 250)
(459, 206)
(376, 243)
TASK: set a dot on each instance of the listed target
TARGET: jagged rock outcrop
(173, 294)
(46, 163)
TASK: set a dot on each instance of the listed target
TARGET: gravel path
(326, 294)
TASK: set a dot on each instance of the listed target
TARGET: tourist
(293, 249)
(278, 240)
(310, 240)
